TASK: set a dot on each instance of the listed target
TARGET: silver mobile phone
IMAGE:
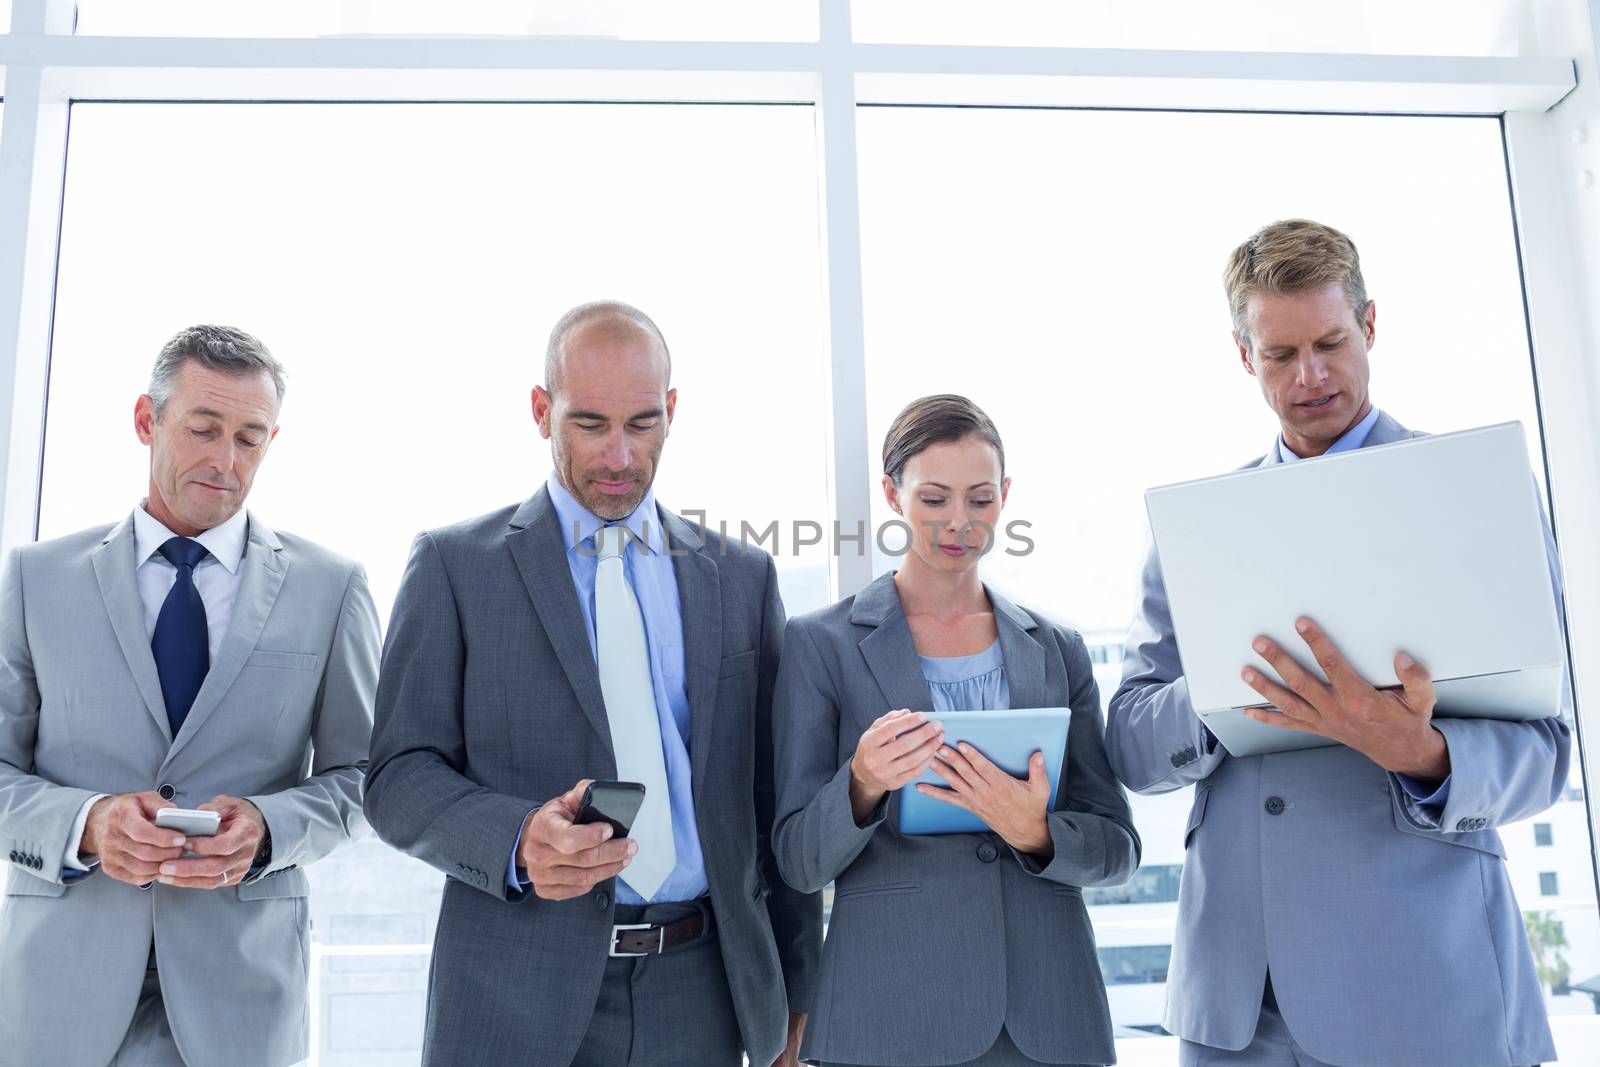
(190, 822)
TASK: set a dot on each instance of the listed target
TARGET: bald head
(606, 321)
(607, 405)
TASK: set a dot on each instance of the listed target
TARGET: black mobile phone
(611, 802)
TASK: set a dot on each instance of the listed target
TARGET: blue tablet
(1008, 738)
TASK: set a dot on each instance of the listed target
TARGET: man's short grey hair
(596, 311)
(219, 348)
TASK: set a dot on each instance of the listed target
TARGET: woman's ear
(891, 493)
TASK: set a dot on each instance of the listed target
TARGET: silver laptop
(1432, 545)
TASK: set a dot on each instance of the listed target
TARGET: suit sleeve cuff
(847, 837)
(72, 866)
(514, 880)
(1073, 856)
(1419, 810)
(1427, 796)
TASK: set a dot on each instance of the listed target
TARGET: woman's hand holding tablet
(1013, 808)
(895, 750)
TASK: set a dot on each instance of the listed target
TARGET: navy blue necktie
(181, 644)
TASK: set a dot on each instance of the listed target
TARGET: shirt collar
(578, 523)
(226, 542)
(1353, 438)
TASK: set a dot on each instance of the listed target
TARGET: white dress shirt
(216, 577)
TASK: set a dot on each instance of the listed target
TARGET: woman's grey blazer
(936, 942)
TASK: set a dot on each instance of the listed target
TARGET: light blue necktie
(630, 699)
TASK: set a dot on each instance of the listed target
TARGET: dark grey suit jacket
(489, 704)
(937, 941)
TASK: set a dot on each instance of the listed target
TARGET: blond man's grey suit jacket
(1390, 929)
(283, 719)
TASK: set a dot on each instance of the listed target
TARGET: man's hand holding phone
(565, 859)
(121, 831)
(224, 856)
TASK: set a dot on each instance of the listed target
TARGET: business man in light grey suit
(1343, 905)
(186, 657)
(588, 633)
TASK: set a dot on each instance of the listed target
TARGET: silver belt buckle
(615, 930)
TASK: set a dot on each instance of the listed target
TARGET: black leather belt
(647, 939)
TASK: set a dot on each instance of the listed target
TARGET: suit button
(1275, 805)
(987, 852)
(602, 900)
(167, 792)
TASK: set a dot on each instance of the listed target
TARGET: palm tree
(1547, 937)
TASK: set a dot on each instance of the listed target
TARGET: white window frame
(1549, 108)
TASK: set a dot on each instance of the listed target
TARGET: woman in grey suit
(956, 948)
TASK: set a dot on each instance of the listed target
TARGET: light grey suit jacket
(937, 941)
(282, 719)
(490, 704)
(1390, 929)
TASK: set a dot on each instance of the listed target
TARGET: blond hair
(1292, 256)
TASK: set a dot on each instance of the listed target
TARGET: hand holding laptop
(1391, 727)
(1458, 574)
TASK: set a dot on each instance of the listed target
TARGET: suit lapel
(115, 572)
(1026, 670)
(1386, 431)
(700, 603)
(889, 650)
(540, 553)
(262, 570)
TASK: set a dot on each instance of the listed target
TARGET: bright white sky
(1063, 268)
(406, 263)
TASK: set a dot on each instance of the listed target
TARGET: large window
(1135, 964)
(1408, 27)
(1058, 260)
(646, 20)
(406, 263)
(1152, 883)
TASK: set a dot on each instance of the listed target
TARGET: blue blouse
(968, 683)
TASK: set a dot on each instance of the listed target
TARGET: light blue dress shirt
(968, 683)
(655, 585)
(1354, 438)
(974, 683)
